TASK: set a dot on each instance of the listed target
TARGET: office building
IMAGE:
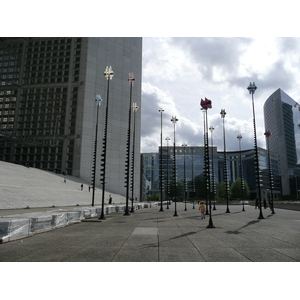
(194, 165)
(48, 110)
(282, 119)
(247, 157)
(189, 162)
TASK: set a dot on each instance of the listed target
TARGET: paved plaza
(148, 235)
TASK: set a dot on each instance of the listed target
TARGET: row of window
(43, 80)
(50, 41)
(48, 55)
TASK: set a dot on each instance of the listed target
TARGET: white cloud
(178, 72)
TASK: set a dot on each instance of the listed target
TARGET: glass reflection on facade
(194, 164)
(233, 166)
(195, 160)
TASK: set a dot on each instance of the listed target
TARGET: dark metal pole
(98, 102)
(210, 224)
(211, 128)
(223, 113)
(184, 177)
(193, 180)
(134, 109)
(174, 120)
(160, 163)
(207, 164)
(239, 137)
(108, 73)
(267, 134)
(168, 187)
(127, 162)
(251, 88)
(205, 161)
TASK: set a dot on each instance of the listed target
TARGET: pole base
(126, 213)
(260, 217)
(102, 217)
(210, 224)
(175, 214)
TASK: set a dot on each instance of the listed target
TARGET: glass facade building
(190, 157)
(48, 110)
(194, 164)
(282, 119)
(247, 158)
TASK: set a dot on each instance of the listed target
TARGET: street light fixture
(267, 134)
(223, 113)
(127, 162)
(160, 163)
(174, 120)
(251, 88)
(134, 109)
(98, 101)
(239, 137)
(184, 176)
(168, 185)
(108, 74)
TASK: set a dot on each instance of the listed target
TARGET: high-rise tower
(47, 103)
(282, 119)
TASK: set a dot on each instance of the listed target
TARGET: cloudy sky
(178, 72)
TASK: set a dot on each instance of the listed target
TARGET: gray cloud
(210, 53)
(222, 56)
(151, 116)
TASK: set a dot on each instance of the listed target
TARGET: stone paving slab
(148, 235)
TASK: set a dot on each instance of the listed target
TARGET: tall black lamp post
(223, 113)
(134, 109)
(98, 101)
(204, 108)
(108, 74)
(239, 137)
(127, 162)
(211, 128)
(174, 120)
(267, 134)
(184, 176)
(205, 104)
(168, 185)
(160, 163)
(193, 179)
(251, 88)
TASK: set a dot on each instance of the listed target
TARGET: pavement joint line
(284, 254)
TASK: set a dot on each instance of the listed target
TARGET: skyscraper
(282, 119)
(48, 110)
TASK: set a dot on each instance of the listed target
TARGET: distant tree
(236, 191)
(200, 186)
(179, 190)
(221, 192)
